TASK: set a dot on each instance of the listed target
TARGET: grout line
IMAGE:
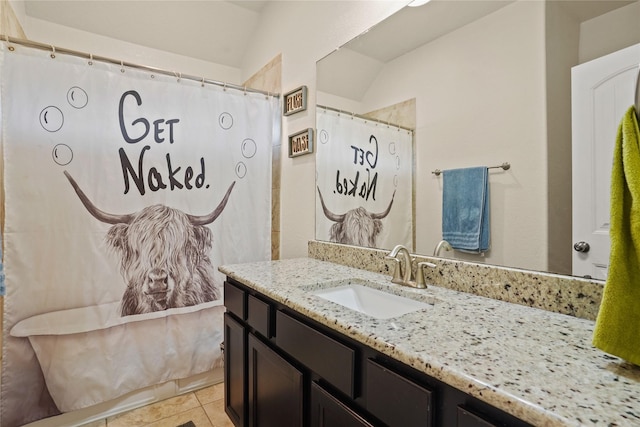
(200, 405)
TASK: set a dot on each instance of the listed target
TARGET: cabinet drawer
(469, 419)
(259, 315)
(332, 360)
(395, 399)
(235, 300)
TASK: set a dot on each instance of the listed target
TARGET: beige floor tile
(218, 417)
(209, 394)
(155, 412)
(197, 416)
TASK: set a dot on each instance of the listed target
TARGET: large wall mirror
(481, 83)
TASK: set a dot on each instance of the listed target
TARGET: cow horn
(209, 218)
(93, 210)
(386, 212)
(330, 215)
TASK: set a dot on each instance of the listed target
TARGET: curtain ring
(224, 86)
(202, 83)
(91, 59)
(53, 52)
(245, 91)
(121, 66)
(11, 48)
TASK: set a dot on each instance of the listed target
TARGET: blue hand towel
(465, 208)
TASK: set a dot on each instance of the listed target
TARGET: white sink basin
(370, 301)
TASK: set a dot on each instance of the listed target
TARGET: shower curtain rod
(363, 117)
(91, 57)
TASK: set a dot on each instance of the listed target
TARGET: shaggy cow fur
(357, 228)
(163, 255)
(164, 261)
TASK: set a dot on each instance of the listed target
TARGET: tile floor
(205, 408)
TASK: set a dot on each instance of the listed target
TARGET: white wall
(70, 38)
(486, 106)
(562, 43)
(610, 32)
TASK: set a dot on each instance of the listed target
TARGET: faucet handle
(397, 273)
(420, 282)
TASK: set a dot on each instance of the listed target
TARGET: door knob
(581, 247)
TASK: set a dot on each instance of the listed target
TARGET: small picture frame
(301, 143)
(295, 101)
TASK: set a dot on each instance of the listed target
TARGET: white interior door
(602, 91)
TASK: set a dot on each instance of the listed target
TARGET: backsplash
(561, 294)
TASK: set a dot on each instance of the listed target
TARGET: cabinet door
(235, 344)
(327, 411)
(275, 388)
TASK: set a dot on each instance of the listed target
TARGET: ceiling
(350, 70)
(219, 31)
(412, 27)
(211, 30)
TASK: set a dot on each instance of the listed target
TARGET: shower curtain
(122, 187)
(364, 181)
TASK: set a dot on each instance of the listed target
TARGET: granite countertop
(537, 365)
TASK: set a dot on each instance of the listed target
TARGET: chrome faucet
(403, 272)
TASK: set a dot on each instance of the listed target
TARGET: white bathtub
(91, 355)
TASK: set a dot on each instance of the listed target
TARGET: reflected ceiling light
(416, 3)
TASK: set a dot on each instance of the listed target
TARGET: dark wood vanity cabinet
(261, 387)
(283, 369)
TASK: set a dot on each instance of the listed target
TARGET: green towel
(617, 329)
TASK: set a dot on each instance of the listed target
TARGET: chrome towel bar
(505, 166)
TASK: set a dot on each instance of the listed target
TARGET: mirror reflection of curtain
(364, 181)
